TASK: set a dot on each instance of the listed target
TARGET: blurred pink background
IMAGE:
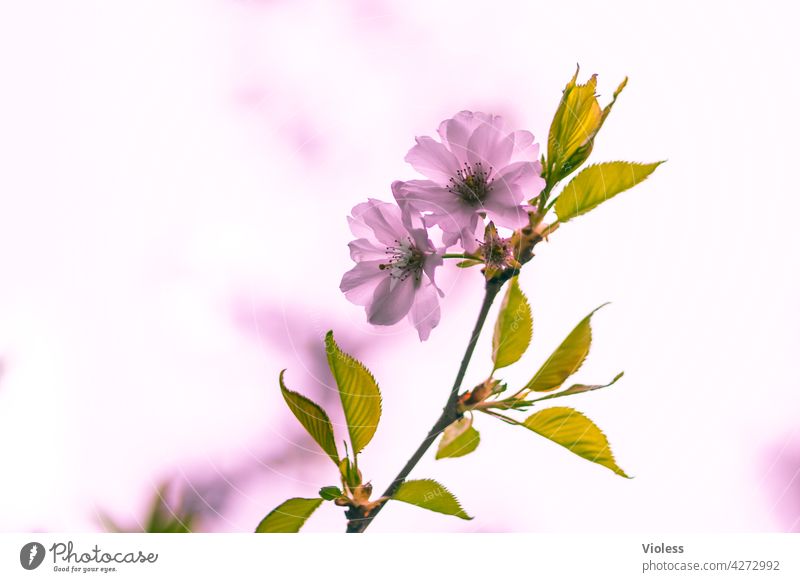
(175, 177)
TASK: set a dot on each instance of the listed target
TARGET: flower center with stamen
(496, 251)
(405, 260)
(472, 184)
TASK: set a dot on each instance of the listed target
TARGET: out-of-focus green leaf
(313, 418)
(359, 392)
(289, 516)
(164, 516)
(598, 183)
(109, 525)
(578, 388)
(458, 439)
(574, 431)
(330, 493)
(514, 327)
(566, 360)
(428, 494)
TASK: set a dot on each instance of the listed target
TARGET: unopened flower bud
(497, 253)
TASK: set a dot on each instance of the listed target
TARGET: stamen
(472, 183)
(496, 251)
(405, 260)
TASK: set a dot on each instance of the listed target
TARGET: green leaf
(566, 360)
(330, 493)
(459, 439)
(578, 388)
(607, 108)
(108, 524)
(289, 516)
(166, 518)
(350, 473)
(313, 418)
(430, 495)
(359, 392)
(598, 183)
(514, 327)
(574, 431)
(575, 125)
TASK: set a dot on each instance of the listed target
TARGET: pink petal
(425, 313)
(430, 266)
(524, 147)
(420, 238)
(433, 160)
(469, 235)
(504, 205)
(363, 249)
(465, 231)
(524, 176)
(507, 215)
(455, 133)
(490, 147)
(455, 222)
(504, 193)
(425, 196)
(380, 217)
(358, 228)
(449, 238)
(359, 283)
(495, 121)
(391, 302)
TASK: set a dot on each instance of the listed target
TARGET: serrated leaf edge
(462, 513)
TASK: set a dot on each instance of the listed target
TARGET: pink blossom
(395, 264)
(478, 169)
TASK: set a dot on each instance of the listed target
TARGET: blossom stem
(545, 195)
(460, 256)
(502, 417)
(356, 523)
(550, 229)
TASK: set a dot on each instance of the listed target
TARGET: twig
(358, 522)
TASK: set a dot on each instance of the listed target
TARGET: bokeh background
(174, 181)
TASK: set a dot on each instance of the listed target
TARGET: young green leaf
(598, 183)
(289, 516)
(514, 327)
(566, 360)
(459, 439)
(330, 493)
(578, 388)
(576, 122)
(575, 125)
(350, 473)
(574, 431)
(359, 392)
(313, 418)
(430, 495)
